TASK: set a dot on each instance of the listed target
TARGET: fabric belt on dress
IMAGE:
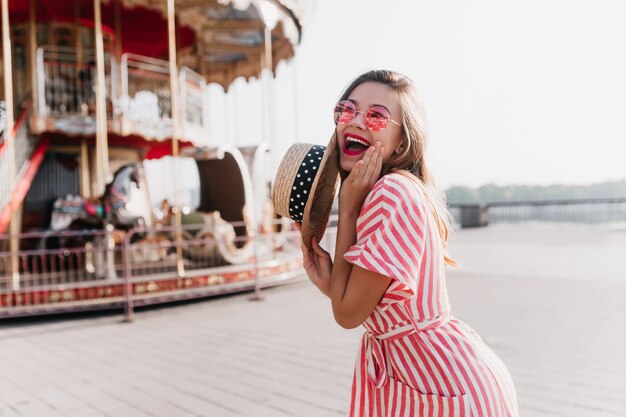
(374, 351)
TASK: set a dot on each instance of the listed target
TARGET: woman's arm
(354, 291)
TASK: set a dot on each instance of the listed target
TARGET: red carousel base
(140, 291)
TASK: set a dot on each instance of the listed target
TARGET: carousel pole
(97, 183)
(269, 85)
(102, 147)
(267, 67)
(85, 190)
(32, 50)
(200, 63)
(295, 98)
(265, 77)
(78, 40)
(171, 31)
(268, 73)
(118, 48)
(9, 137)
(264, 133)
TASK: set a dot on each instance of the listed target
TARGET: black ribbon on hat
(301, 187)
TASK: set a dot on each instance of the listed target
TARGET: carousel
(92, 89)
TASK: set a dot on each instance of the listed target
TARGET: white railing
(66, 83)
(146, 105)
(146, 98)
(192, 88)
(138, 94)
(144, 74)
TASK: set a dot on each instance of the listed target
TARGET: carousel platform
(128, 275)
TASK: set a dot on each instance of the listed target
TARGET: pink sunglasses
(376, 118)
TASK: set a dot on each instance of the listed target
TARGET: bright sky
(530, 92)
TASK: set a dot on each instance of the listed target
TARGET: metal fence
(608, 210)
(85, 270)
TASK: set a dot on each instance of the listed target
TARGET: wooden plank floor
(548, 299)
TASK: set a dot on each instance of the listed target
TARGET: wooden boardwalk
(550, 300)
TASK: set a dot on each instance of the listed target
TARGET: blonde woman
(415, 358)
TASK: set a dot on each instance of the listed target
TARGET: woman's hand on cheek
(361, 179)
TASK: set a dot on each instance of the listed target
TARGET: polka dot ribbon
(301, 187)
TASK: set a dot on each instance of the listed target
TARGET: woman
(415, 358)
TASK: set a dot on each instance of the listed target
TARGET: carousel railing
(138, 94)
(75, 257)
(153, 250)
(146, 98)
(192, 88)
(67, 82)
(79, 270)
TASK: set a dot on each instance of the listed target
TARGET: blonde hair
(411, 161)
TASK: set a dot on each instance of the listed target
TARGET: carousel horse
(108, 209)
(107, 212)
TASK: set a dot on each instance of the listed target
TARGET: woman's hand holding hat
(317, 264)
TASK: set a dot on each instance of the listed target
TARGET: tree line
(491, 193)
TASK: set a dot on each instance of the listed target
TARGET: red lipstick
(351, 138)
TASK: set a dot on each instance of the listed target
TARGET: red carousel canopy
(144, 30)
(219, 39)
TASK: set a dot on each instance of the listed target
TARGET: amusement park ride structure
(95, 87)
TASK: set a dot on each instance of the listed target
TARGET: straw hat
(305, 184)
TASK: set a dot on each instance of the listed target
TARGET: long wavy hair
(411, 161)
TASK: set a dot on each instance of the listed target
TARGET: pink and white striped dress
(415, 358)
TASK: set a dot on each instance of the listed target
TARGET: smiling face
(355, 137)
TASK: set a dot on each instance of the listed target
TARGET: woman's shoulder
(399, 185)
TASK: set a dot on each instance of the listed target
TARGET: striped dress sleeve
(390, 234)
